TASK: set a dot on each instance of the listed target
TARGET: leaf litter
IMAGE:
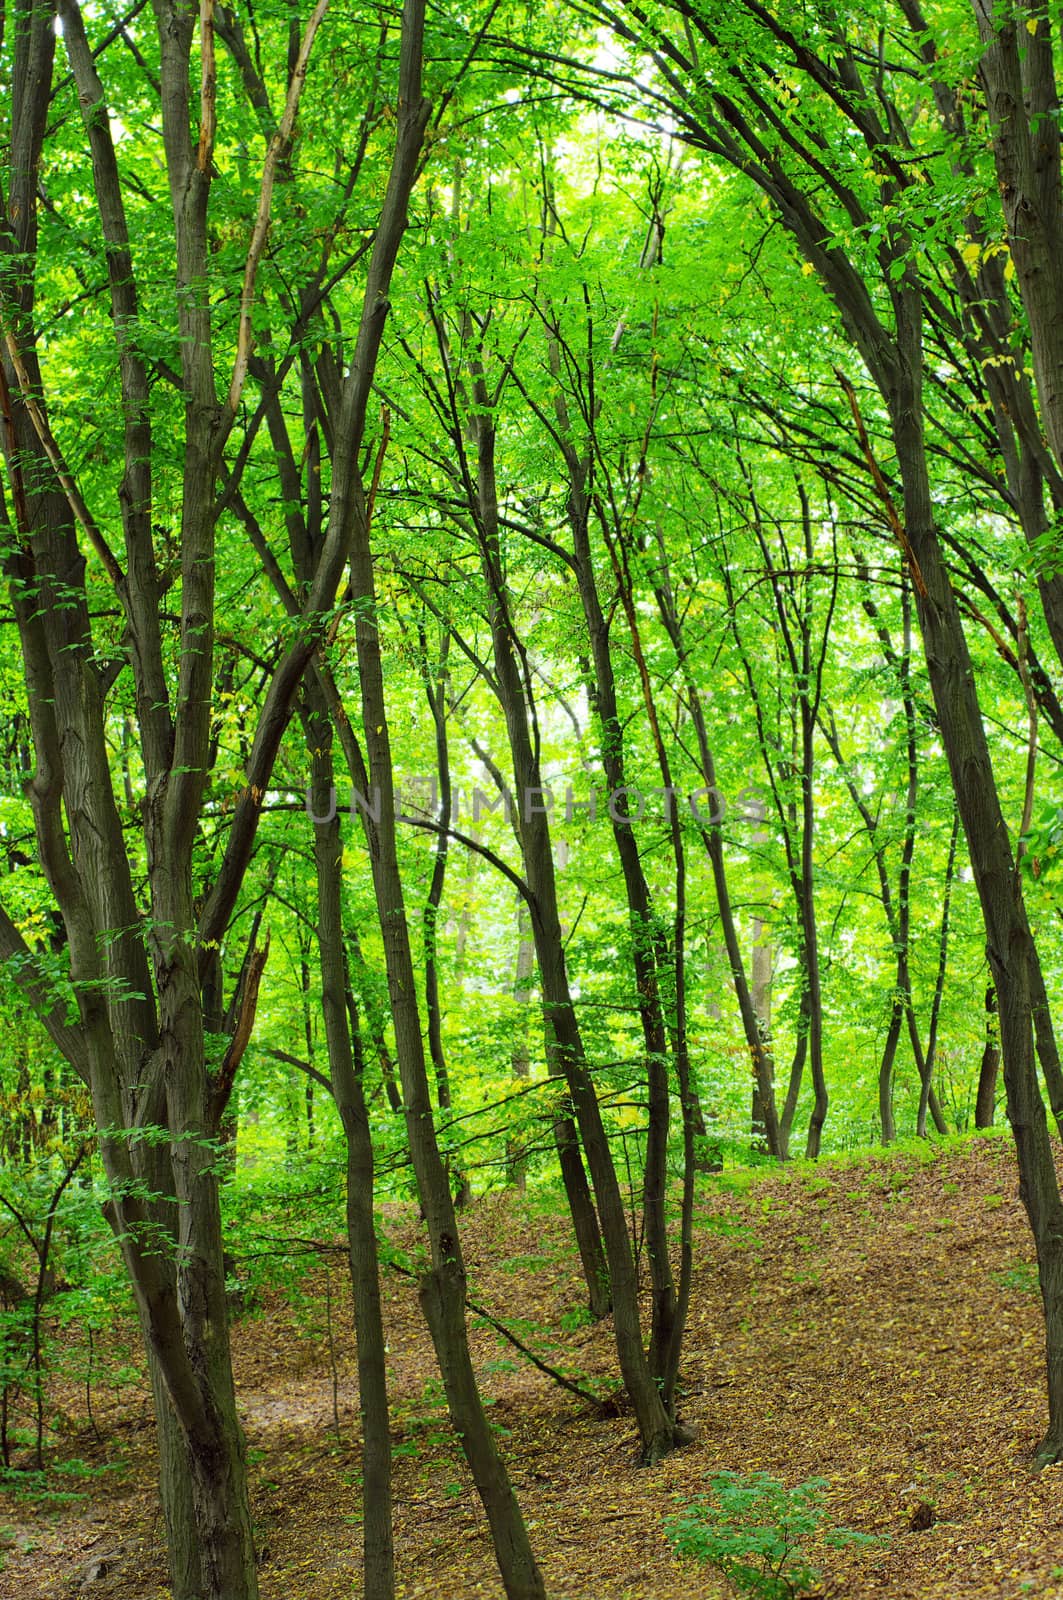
(870, 1322)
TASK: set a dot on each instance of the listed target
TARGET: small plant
(731, 1225)
(754, 1532)
(1022, 1277)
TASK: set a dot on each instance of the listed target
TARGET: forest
(531, 799)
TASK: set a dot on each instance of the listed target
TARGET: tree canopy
(533, 649)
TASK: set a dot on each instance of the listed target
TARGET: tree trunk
(443, 1285)
(925, 1064)
(537, 853)
(345, 1068)
(985, 1104)
(760, 1056)
(520, 1059)
(810, 930)
(1047, 1046)
(175, 1496)
(656, 1430)
(441, 1292)
(437, 705)
(887, 1123)
(1009, 943)
(646, 938)
(761, 965)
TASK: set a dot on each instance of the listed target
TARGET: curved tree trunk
(1010, 947)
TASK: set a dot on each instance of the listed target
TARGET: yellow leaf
(1031, 24)
(807, 270)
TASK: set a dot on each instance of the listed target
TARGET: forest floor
(874, 1322)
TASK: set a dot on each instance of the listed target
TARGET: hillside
(872, 1322)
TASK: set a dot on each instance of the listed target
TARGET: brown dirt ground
(849, 1322)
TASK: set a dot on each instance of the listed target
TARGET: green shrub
(753, 1533)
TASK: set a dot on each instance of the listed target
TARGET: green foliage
(701, 391)
(754, 1530)
(49, 1488)
(1043, 843)
(1022, 1277)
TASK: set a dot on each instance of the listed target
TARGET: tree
(859, 224)
(143, 923)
